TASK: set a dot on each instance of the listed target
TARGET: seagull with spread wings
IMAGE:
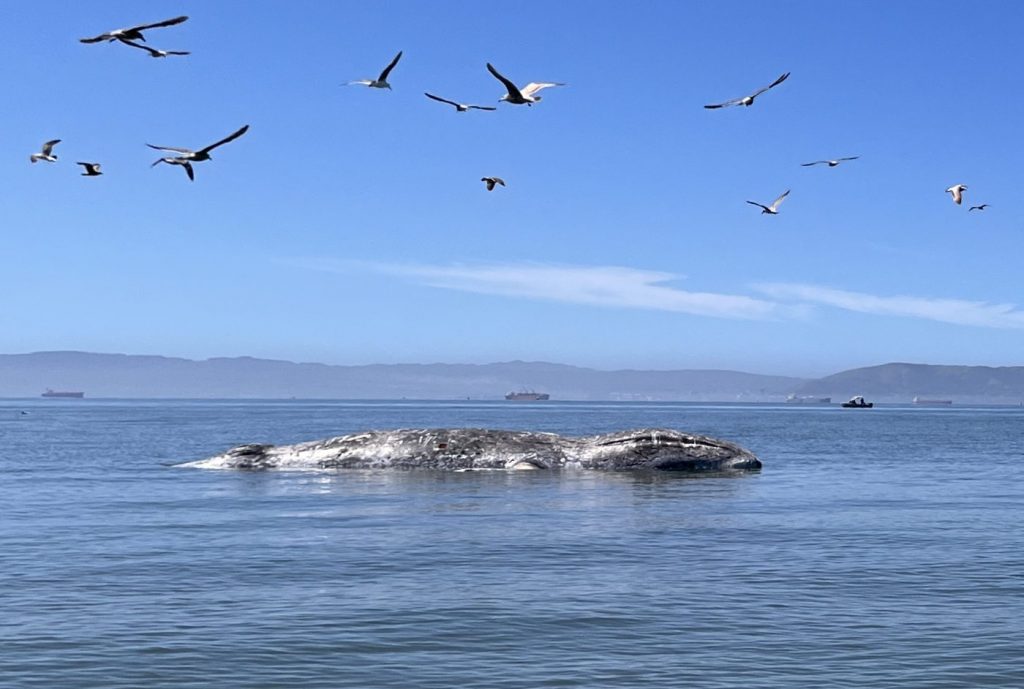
(132, 33)
(748, 100)
(460, 107)
(183, 162)
(91, 169)
(47, 152)
(957, 190)
(200, 155)
(153, 52)
(380, 82)
(772, 209)
(491, 181)
(521, 96)
(830, 163)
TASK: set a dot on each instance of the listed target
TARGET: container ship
(527, 396)
(932, 402)
(72, 394)
(807, 399)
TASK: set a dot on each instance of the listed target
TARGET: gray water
(877, 548)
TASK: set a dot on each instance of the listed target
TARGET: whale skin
(467, 449)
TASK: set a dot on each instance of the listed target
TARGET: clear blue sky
(349, 225)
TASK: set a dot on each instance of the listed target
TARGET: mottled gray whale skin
(465, 449)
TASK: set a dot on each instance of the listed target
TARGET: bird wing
(188, 170)
(157, 25)
(499, 180)
(439, 99)
(364, 82)
(770, 86)
(816, 162)
(759, 205)
(48, 146)
(726, 104)
(230, 137)
(387, 70)
(96, 39)
(513, 90)
(186, 151)
(776, 202)
(149, 50)
(533, 87)
(849, 158)
(481, 107)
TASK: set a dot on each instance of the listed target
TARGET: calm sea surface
(877, 548)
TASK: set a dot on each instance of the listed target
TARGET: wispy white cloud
(956, 311)
(606, 286)
(632, 288)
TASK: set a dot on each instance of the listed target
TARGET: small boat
(857, 402)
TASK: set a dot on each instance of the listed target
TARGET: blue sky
(349, 225)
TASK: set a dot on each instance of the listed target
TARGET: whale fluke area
(467, 449)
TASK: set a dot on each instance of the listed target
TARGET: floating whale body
(466, 449)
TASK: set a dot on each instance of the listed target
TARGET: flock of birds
(526, 95)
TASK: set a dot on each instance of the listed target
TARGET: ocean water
(877, 548)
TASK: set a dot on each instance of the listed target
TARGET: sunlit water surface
(877, 548)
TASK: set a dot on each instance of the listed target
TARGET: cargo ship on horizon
(67, 394)
(932, 402)
(527, 396)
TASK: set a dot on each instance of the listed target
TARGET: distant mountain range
(121, 375)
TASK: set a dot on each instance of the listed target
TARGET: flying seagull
(200, 155)
(772, 209)
(91, 169)
(978, 208)
(491, 181)
(153, 52)
(184, 162)
(749, 100)
(47, 152)
(380, 82)
(461, 107)
(957, 190)
(521, 96)
(830, 163)
(133, 33)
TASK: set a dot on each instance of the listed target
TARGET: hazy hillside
(903, 382)
(119, 375)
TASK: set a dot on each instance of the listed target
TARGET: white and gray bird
(491, 181)
(380, 82)
(748, 100)
(91, 169)
(460, 107)
(957, 190)
(132, 33)
(521, 96)
(47, 152)
(978, 208)
(153, 52)
(772, 209)
(830, 163)
(202, 153)
(183, 162)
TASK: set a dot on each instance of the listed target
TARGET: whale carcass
(464, 449)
